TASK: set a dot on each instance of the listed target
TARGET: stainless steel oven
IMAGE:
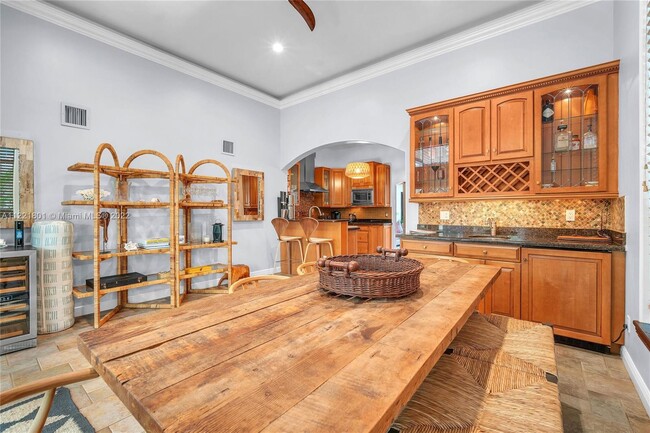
(362, 197)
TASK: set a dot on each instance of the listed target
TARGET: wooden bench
(498, 375)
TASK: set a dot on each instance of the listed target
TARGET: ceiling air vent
(74, 116)
(228, 148)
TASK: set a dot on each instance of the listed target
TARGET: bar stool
(280, 225)
(309, 225)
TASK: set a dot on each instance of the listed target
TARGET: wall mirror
(16, 181)
(249, 195)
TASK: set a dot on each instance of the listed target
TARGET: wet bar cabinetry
(551, 137)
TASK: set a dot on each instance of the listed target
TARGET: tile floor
(596, 392)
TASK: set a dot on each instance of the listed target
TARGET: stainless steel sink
(488, 237)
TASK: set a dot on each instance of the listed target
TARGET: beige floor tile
(105, 412)
(94, 384)
(24, 366)
(60, 357)
(3, 362)
(639, 424)
(6, 383)
(100, 394)
(21, 379)
(40, 349)
(580, 404)
(127, 425)
(79, 396)
(614, 362)
(609, 385)
(607, 407)
(633, 406)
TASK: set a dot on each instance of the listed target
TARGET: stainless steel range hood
(307, 183)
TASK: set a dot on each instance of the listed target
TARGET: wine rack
(494, 179)
(17, 300)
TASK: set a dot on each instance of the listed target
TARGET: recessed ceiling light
(278, 47)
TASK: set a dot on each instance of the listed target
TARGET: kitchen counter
(355, 222)
(524, 237)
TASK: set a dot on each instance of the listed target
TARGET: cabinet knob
(485, 252)
(538, 182)
(425, 247)
(495, 150)
(525, 260)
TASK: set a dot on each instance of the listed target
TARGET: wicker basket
(388, 275)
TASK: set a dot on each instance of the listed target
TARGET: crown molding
(115, 39)
(531, 15)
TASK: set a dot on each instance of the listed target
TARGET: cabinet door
(512, 126)
(472, 132)
(362, 240)
(353, 241)
(431, 146)
(569, 289)
(322, 178)
(505, 295)
(339, 189)
(293, 182)
(580, 113)
(382, 185)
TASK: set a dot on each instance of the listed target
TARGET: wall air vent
(228, 148)
(74, 116)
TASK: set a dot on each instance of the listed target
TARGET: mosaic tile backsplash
(529, 213)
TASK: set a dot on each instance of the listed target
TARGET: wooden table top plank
(423, 338)
(287, 351)
(278, 392)
(284, 354)
(110, 345)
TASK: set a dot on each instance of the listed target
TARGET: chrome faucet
(493, 226)
(320, 213)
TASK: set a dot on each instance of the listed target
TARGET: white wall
(374, 110)
(627, 35)
(134, 104)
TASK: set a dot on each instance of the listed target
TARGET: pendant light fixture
(357, 170)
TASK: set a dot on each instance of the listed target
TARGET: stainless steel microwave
(362, 197)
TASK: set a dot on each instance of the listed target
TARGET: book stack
(154, 244)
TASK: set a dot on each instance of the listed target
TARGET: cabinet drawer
(489, 252)
(430, 247)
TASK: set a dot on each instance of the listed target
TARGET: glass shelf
(431, 155)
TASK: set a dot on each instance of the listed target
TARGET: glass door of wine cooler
(430, 155)
(571, 137)
(17, 300)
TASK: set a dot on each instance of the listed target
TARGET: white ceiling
(234, 38)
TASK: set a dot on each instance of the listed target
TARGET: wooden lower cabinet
(353, 241)
(570, 290)
(504, 296)
(372, 236)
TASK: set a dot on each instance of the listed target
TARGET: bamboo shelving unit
(186, 204)
(171, 277)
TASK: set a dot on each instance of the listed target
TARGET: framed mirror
(16, 181)
(249, 195)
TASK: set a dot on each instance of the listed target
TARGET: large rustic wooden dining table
(286, 357)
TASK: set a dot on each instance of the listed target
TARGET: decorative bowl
(89, 194)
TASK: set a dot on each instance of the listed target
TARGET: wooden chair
(309, 225)
(280, 225)
(306, 268)
(49, 386)
(252, 282)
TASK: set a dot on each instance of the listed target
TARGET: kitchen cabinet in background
(371, 236)
(340, 194)
(366, 182)
(382, 185)
(322, 176)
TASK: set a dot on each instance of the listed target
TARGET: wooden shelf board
(211, 290)
(85, 291)
(197, 178)
(116, 204)
(88, 255)
(204, 204)
(111, 170)
(184, 247)
(218, 268)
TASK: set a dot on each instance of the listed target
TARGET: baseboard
(85, 306)
(637, 380)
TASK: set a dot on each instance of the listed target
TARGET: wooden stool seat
(309, 225)
(489, 382)
(280, 225)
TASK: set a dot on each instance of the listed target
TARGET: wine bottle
(548, 112)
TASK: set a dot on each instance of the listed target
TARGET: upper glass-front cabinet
(432, 168)
(571, 137)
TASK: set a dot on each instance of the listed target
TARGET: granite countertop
(524, 237)
(356, 222)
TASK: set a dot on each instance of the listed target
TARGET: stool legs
(289, 253)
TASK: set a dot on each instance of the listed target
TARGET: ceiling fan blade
(305, 12)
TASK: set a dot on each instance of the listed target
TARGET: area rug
(64, 416)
